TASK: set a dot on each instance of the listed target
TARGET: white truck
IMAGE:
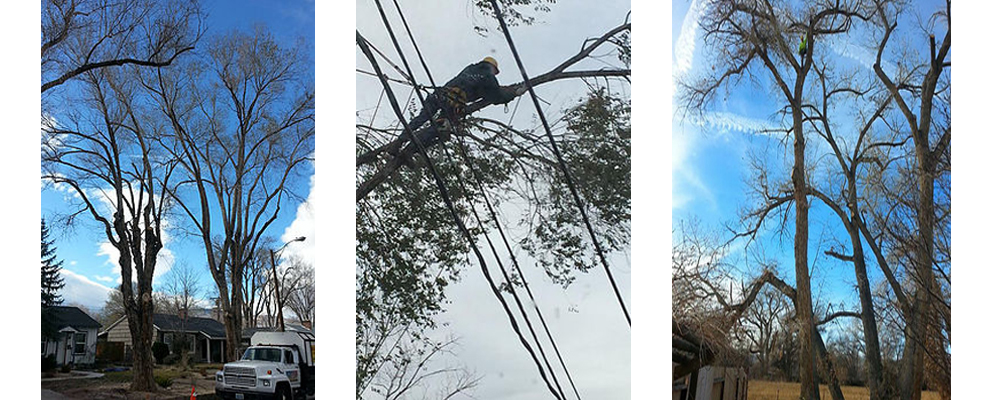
(277, 365)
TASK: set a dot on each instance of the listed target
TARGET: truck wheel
(283, 392)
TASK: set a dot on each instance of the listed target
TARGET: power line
(519, 304)
(443, 191)
(561, 163)
(492, 212)
(461, 181)
(523, 280)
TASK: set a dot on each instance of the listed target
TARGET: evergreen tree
(51, 283)
(51, 280)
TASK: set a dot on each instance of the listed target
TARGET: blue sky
(89, 273)
(711, 160)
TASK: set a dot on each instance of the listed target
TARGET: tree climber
(477, 81)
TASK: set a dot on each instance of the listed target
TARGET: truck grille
(240, 376)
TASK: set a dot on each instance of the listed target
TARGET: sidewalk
(50, 395)
(75, 375)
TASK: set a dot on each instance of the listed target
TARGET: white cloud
(303, 225)
(81, 290)
(165, 260)
(106, 198)
(109, 279)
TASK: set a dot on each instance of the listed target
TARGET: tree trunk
(834, 386)
(805, 312)
(873, 356)
(916, 328)
(873, 353)
(234, 320)
(141, 324)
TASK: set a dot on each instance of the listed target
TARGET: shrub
(172, 359)
(66, 368)
(48, 363)
(163, 381)
(160, 351)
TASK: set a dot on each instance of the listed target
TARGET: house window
(80, 343)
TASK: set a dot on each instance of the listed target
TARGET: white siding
(67, 354)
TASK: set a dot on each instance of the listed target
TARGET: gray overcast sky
(585, 319)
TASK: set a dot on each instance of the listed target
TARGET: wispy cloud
(685, 46)
(731, 122)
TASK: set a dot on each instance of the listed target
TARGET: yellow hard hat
(493, 62)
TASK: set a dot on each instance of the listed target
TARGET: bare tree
(182, 289)
(243, 127)
(744, 31)
(415, 372)
(858, 159)
(78, 36)
(105, 152)
(761, 327)
(257, 291)
(708, 306)
(921, 93)
(301, 299)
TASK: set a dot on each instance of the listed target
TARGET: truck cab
(277, 365)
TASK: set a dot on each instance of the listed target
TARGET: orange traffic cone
(193, 393)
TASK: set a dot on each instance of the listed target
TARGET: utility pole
(280, 303)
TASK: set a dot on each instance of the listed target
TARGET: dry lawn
(114, 385)
(765, 390)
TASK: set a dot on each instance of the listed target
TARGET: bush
(163, 381)
(160, 351)
(48, 363)
(172, 359)
(66, 368)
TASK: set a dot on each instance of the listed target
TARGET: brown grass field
(765, 390)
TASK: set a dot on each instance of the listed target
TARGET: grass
(765, 390)
(114, 385)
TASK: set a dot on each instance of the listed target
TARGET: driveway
(50, 395)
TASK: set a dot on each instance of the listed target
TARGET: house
(207, 337)
(705, 367)
(76, 340)
(714, 383)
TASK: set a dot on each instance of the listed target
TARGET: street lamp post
(273, 267)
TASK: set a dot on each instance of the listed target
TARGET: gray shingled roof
(72, 316)
(209, 326)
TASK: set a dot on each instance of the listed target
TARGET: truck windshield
(262, 354)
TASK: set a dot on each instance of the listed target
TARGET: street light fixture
(273, 267)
